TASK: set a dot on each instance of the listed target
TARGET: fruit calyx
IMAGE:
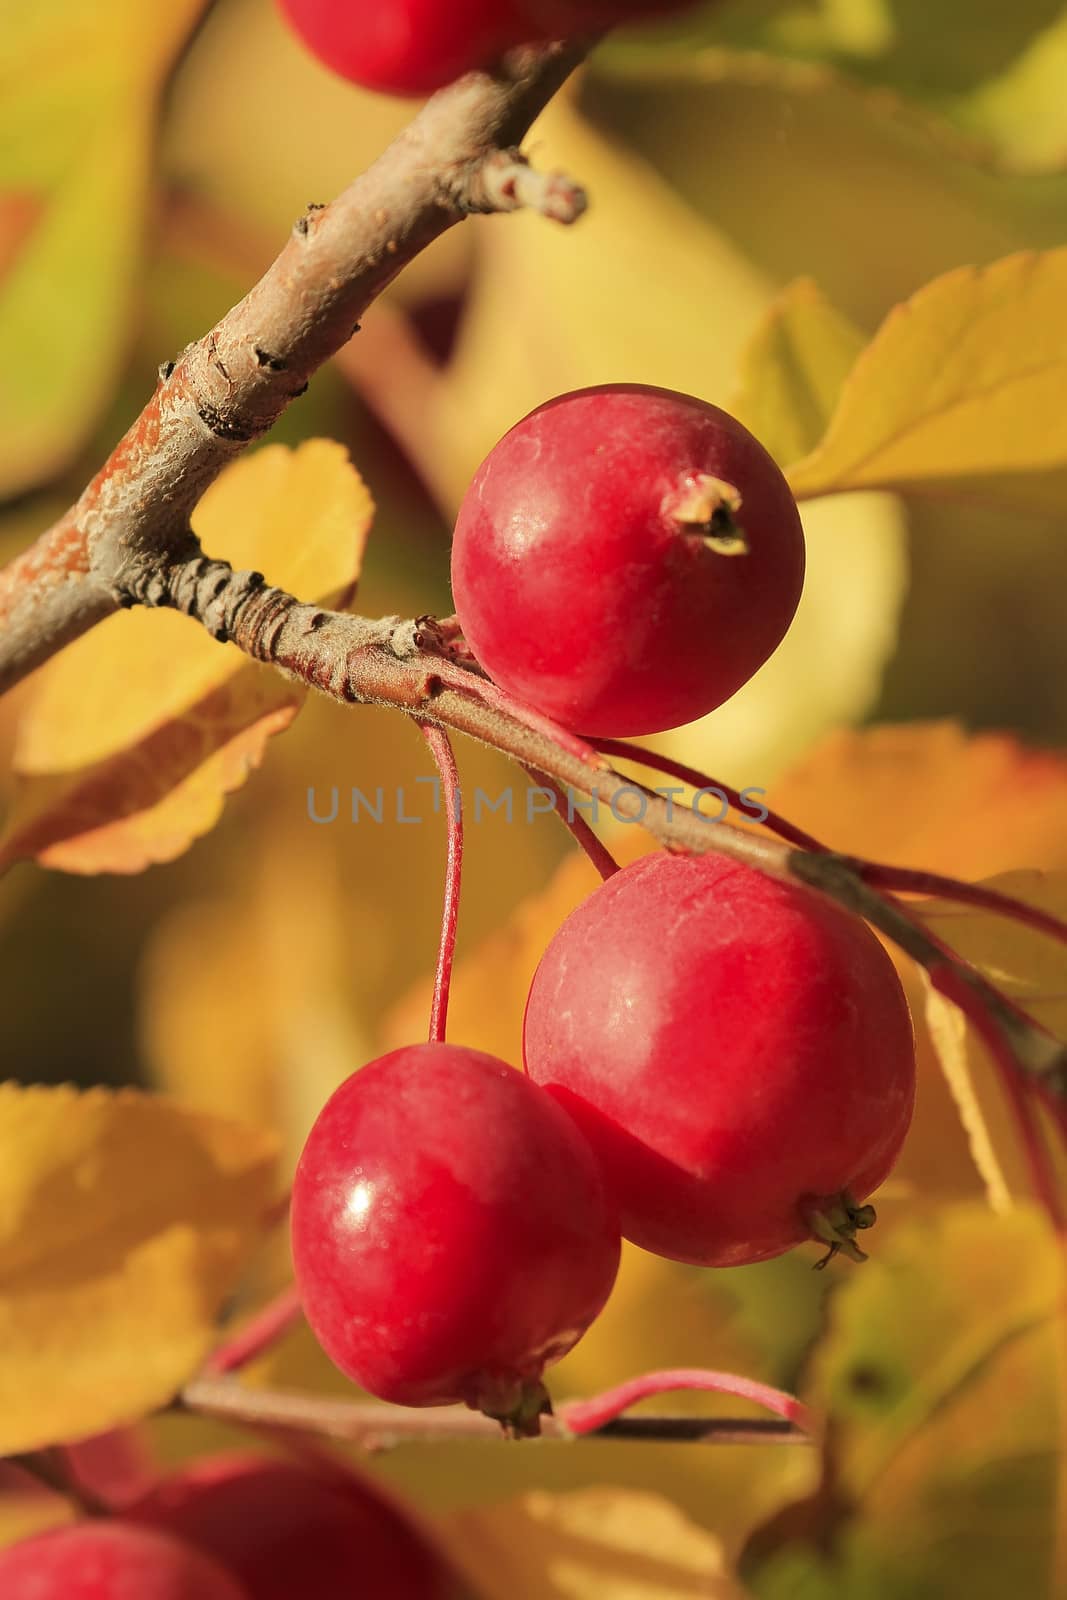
(708, 507)
(518, 1404)
(835, 1220)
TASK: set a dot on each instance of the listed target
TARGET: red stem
(955, 988)
(585, 1416)
(441, 746)
(595, 849)
(904, 880)
(622, 750)
(258, 1334)
(453, 676)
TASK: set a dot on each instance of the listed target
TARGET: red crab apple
(111, 1561)
(406, 47)
(285, 1529)
(737, 1051)
(451, 1235)
(626, 558)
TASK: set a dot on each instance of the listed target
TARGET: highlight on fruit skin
(738, 1052)
(451, 1233)
(112, 1560)
(625, 559)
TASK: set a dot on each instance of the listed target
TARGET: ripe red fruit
(111, 1561)
(451, 1235)
(737, 1051)
(598, 567)
(404, 46)
(286, 1530)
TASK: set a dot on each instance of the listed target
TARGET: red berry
(738, 1052)
(286, 1530)
(593, 568)
(451, 1234)
(111, 1561)
(403, 46)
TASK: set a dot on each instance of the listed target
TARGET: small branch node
(505, 181)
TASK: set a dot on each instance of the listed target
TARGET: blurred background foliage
(152, 160)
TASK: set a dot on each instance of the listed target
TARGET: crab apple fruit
(738, 1052)
(626, 558)
(406, 47)
(451, 1233)
(285, 1529)
(111, 1561)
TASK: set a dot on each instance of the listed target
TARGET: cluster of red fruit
(718, 1065)
(235, 1527)
(416, 46)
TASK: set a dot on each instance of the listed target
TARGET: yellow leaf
(135, 733)
(1023, 109)
(1030, 969)
(942, 1380)
(793, 369)
(931, 795)
(79, 92)
(124, 1222)
(959, 392)
(594, 1544)
(291, 1040)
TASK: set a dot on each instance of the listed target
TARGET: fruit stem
(595, 849)
(263, 1329)
(708, 507)
(622, 750)
(443, 754)
(586, 1416)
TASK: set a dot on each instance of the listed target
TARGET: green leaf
(991, 71)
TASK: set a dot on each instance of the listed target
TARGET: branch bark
(458, 156)
(381, 1427)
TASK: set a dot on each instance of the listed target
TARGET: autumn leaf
(1031, 969)
(124, 1223)
(135, 733)
(594, 1544)
(932, 795)
(793, 369)
(942, 1382)
(958, 393)
(79, 98)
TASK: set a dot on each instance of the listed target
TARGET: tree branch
(380, 1427)
(457, 156)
